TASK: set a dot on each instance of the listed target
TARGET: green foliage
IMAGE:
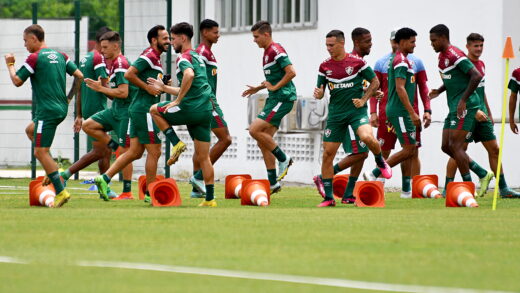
(100, 12)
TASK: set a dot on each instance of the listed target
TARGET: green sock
(502, 184)
(327, 184)
(271, 175)
(193, 189)
(337, 169)
(379, 159)
(477, 169)
(106, 178)
(448, 180)
(376, 172)
(66, 174)
(171, 135)
(466, 177)
(56, 181)
(113, 144)
(209, 192)
(147, 193)
(127, 185)
(279, 154)
(198, 175)
(407, 187)
(349, 191)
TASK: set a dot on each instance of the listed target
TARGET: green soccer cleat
(484, 184)
(177, 150)
(61, 199)
(509, 193)
(102, 187)
(147, 198)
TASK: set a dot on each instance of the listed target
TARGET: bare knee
(39, 153)
(226, 140)
(153, 110)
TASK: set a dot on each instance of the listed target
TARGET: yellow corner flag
(507, 54)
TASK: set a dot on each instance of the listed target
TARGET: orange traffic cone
(369, 194)
(165, 193)
(460, 194)
(255, 192)
(425, 186)
(40, 195)
(234, 185)
(339, 184)
(141, 184)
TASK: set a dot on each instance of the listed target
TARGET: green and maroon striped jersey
(117, 77)
(93, 66)
(399, 67)
(211, 67)
(148, 65)
(274, 61)
(199, 95)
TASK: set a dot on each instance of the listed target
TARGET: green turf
(417, 242)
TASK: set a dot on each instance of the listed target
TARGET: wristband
(9, 64)
(428, 111)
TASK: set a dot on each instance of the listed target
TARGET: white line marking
(279, 277)
(7, 259)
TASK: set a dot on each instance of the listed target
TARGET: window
(240, 15)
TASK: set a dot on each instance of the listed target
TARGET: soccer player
(385, 132)
(279, 72)
(116, 118)
(47, 69)
(484, 131)
(514, 86)
(143, 132)
(461, 79)
(344, 74)
(399, 108)
(358, 152)
(89, 102)
(192, 107)
(209, 34)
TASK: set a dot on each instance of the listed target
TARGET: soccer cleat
(147, 198)
(208, 203)
(348, 200)
(102, 187)
(276, 188)
(484, 183)
(61, 199)
(111, 194)
(177, 150)
(125, 195)
(406, 194)
(444, 192)
(319, 185)
(198, 184)
(509, 193)
(196, 194)
(369, 176)
(283, 168)
(385, 169)
(327, 203)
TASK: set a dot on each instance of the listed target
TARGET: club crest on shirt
(362, 144)
(327, 132)
(412, 135)
(349, 70)
(446, 62)
(266, 58)
(381, 141)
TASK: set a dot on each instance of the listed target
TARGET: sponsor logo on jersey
(327, 132)
(328, 72)
(349, 70)
(452, 51)
(445, 76)
(262, 114)
(53, 58)
(341, 85)
(453, 122)
(267, 71)
(363, 120)
(412, 135)
(412, 79)
(468, 136)
(214, 71)
(362, 144)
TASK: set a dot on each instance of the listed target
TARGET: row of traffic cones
(164, 191)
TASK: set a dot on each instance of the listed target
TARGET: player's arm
(372, 88)
(290, 73)
(474, 79)
(319, 90)
(421, 79)
(131, 76)
(10, 60)
(78, 120)
(490, 116)
(187, 79)
(251, 90)
(403, 97)
(159, 84)
(374, 103)
(76, 84)
(120, 92)
(512, 109)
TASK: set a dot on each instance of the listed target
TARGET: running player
(192, 107)
(484, 131)
(116, 118)
(279, 72)
(461, 79)
(47, 69)
(399, 109)
(514, 86)
(344, 74)
(143, 132)
(209, 34)
(385, 132)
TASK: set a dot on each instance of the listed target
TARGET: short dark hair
(35, 30)
(441, 30)
(182, 28)
(101, 31)
(358, 32)
(262, 26)
(111, 37)
(154, 32)
(404, 33)
(207, 24)
(474, 37)
(339, 35)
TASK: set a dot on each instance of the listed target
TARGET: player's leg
(158, 115)
(153, 153)
(386, 137)
(451, 171)
(459, 131)
(360, 150)
(124, 143)
(330, 149)
(29, 131)
(416, 162)
(269, 158)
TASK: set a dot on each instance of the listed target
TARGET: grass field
(409, 242)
